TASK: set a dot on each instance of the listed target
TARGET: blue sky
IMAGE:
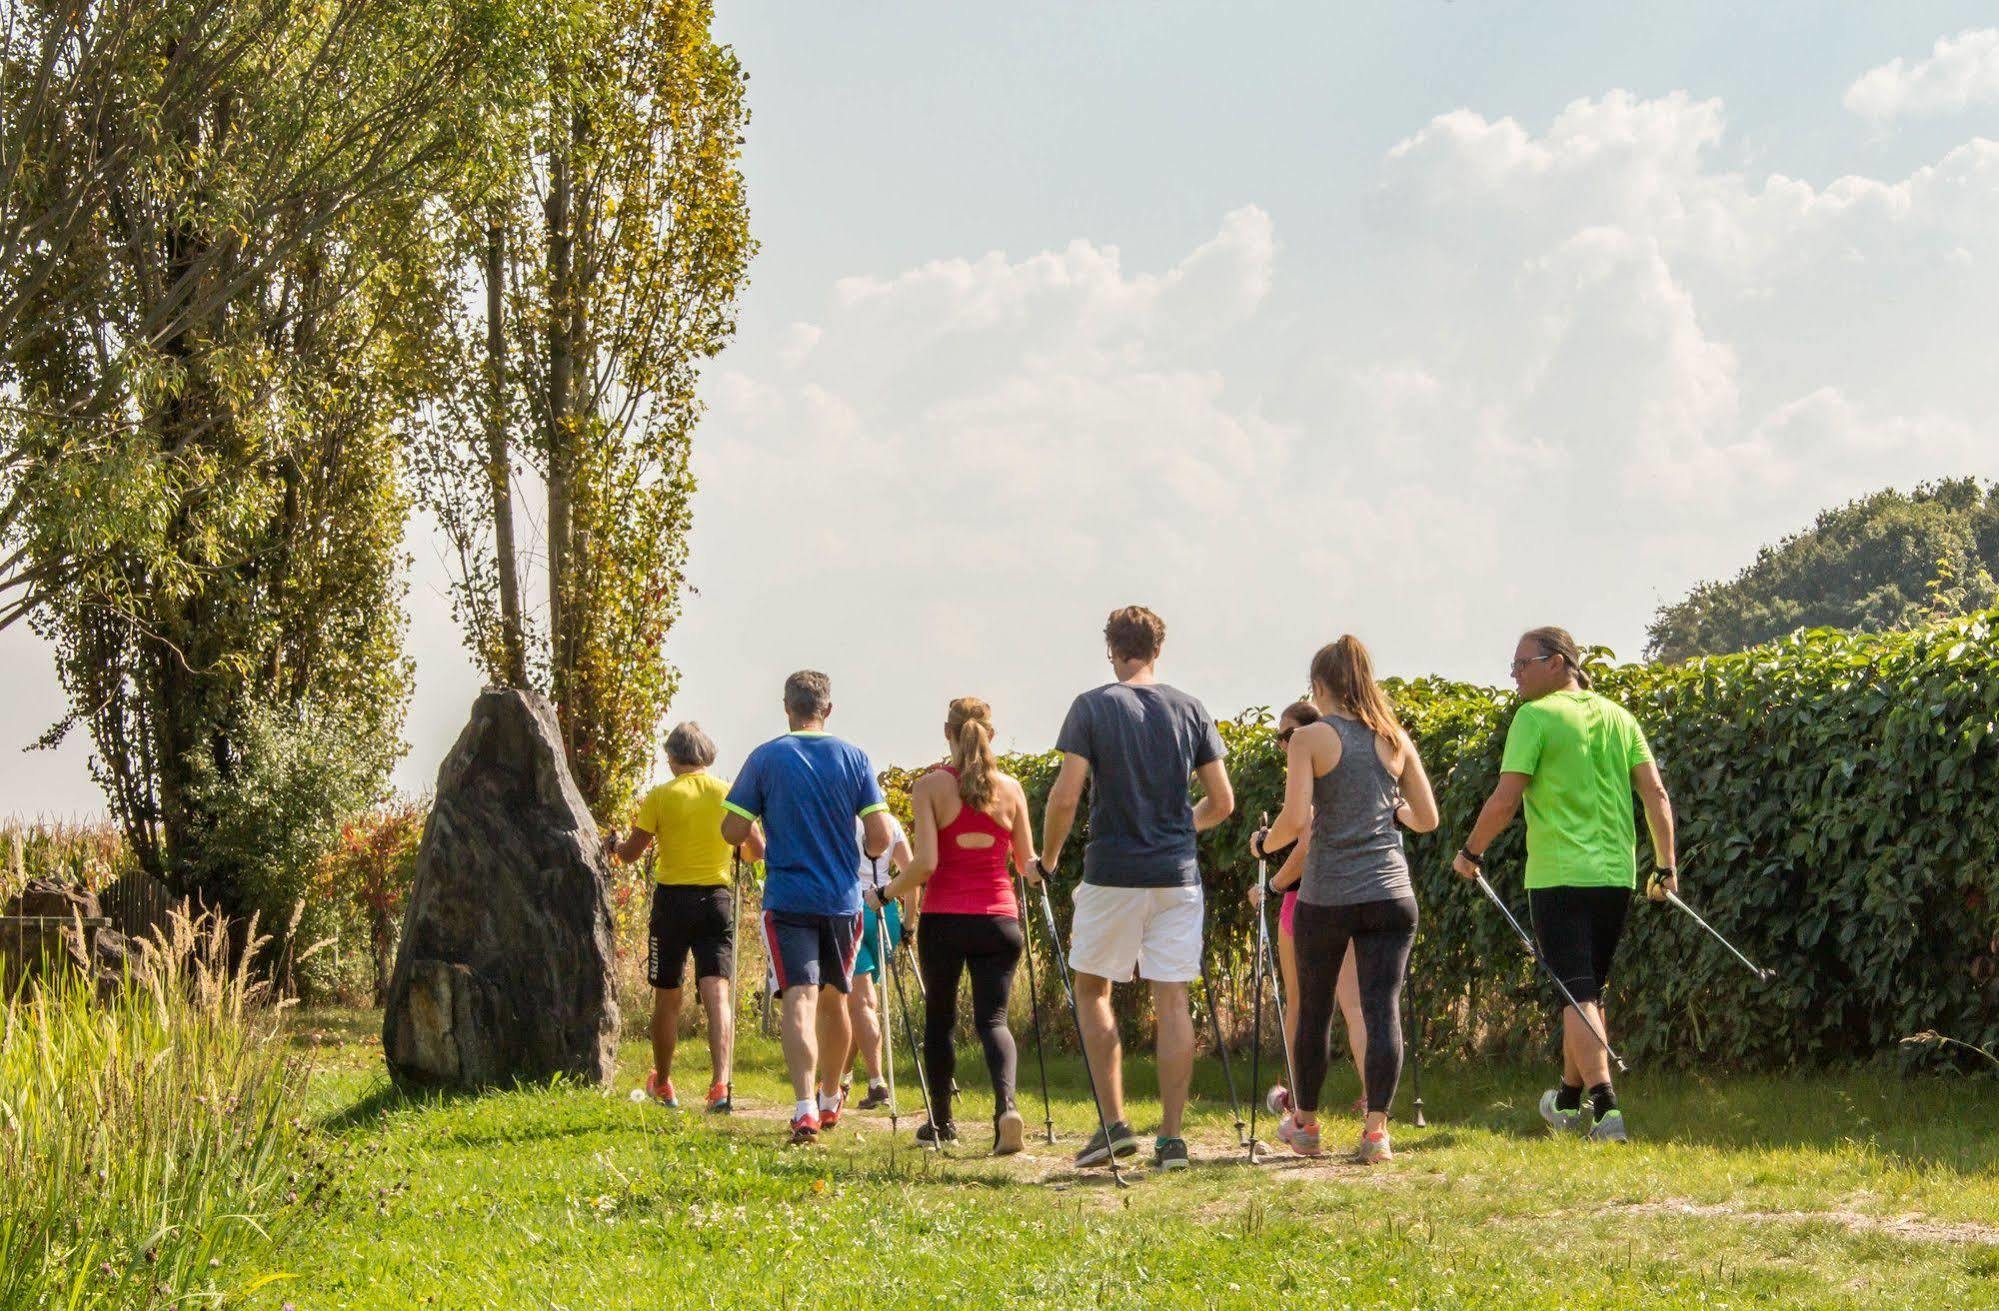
(1429, 321)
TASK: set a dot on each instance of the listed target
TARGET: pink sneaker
(660, 1090)
(1303, 1141)
(1374, 1148)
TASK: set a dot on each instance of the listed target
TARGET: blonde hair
(970, 728)
(1346, 671)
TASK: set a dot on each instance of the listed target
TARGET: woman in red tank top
(970, 820)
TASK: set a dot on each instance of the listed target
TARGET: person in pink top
(969, 820)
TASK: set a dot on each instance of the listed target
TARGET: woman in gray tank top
(1353, 780)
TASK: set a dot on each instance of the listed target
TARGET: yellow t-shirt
(684, 817)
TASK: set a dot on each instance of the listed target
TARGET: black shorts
(684, 919)
(1578, 929)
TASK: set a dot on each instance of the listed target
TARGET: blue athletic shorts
(864, 960)
(811, 951)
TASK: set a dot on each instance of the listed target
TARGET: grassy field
(1863, 1191)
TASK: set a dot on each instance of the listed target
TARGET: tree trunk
(561, 426)
(499, 464)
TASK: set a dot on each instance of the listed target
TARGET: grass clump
(152, 1146)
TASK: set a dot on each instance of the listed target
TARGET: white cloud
(1962, 71)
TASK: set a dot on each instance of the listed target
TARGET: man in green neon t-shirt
(1575, 757)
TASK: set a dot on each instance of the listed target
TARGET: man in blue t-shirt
(808, 787)
(1138, 742)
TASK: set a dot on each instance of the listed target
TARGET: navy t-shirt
(1143, 743)
(807, 788)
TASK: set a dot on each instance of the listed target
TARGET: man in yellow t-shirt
(693, 907)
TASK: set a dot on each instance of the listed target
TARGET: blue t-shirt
(807, 788)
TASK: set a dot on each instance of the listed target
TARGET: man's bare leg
(836, 1034)
(1176, 1053)
(1100, 1043)
(665, 1030)
(865, 1017)
(719, 1003)
(798, 1031)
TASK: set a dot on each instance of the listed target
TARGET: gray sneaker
(1558, 1119)
(1121, 1141)
(1610, 1129)
(1169, 1154)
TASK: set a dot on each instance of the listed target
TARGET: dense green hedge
(1839, 796)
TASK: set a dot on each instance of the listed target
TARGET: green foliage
(152, 1151)
(1886, 561)
(611, 198)
(203, 471)
(1838, 801)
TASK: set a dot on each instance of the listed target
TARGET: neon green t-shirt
(684, 816)
(1578, 749)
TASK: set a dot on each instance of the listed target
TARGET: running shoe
(829, 1116)
(660, 1090)
(1304, 1140)
(1009, 1133)
(1558, 1119)
(1278, 1100)
(936, 1133)
(1374, 1148)
(876, 1099)
(718, 1099)
(1610, 1129)
(1121, 1141)
(1170, 1154)
(805, 1130)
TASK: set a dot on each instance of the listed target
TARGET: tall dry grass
(153, 1150)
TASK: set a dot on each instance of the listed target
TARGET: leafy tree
(205, 451)
(1886, 561)
(611, 232)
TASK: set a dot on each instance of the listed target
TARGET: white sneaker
(1559, 1120)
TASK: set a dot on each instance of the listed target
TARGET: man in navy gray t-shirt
(1138, 910)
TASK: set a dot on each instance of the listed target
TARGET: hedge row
(1838, 797)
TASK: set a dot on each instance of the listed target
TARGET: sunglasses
(1519, 665)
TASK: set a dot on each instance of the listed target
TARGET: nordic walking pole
(1276, 983)
(1256, 1021)
(1215, 1025)
(1548, 969)
(1415, 1043)
(915, 1051)
(735, 918)
(1034, 1008)
(888, 1029)
(1674, 899)
(1076, 1014)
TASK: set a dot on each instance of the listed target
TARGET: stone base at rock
(505, 969)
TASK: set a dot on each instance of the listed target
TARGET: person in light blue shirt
(807, 788)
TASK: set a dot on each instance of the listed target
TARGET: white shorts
(1155, 932)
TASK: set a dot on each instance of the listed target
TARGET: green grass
(1858, 1191)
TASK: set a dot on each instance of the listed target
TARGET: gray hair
(808, 694)
(688, 745)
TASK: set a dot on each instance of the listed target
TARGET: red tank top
(971, 880)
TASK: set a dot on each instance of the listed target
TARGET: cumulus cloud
(1961, 72)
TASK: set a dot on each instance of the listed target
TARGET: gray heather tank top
(1356, 853)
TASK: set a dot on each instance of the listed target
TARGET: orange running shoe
(660, 1090)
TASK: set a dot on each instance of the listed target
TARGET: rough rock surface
(505, 969)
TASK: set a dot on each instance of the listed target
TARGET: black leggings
(1381, 933)
(989, 947)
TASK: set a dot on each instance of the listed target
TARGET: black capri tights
(988, 946)
(1381, 933)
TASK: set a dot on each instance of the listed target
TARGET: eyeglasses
(1519, 665)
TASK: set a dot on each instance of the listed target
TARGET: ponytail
(1557, 642)
(970, 727)
(1346, 671)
